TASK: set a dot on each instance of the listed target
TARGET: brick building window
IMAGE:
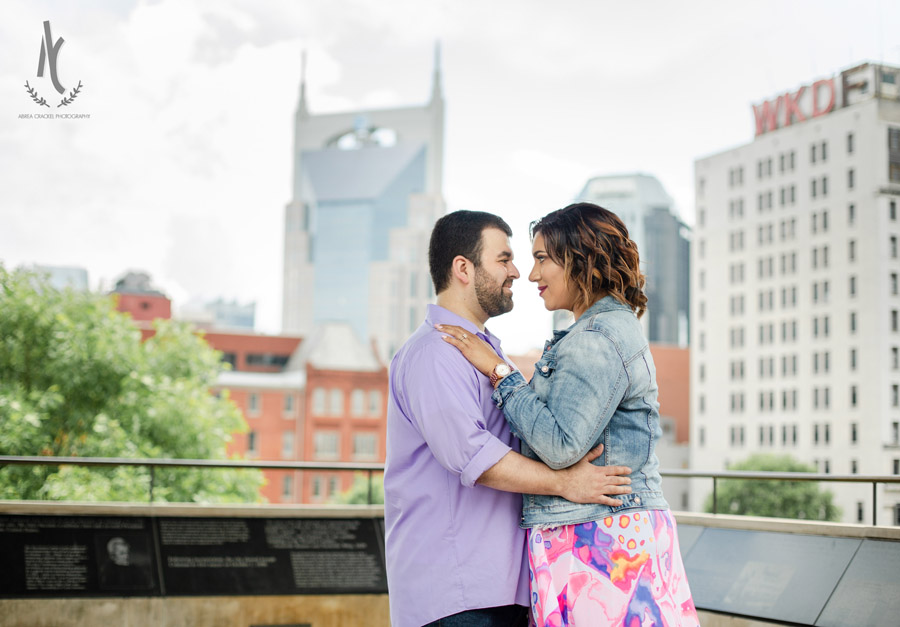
(357, 402)
(374, 402)
(326, 444)
(318, 401)
(365, 446)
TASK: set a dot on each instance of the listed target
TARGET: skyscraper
(643, 204)
(795, 335)
(367, 190)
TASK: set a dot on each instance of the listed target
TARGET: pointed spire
(301, 106)
(436, 84)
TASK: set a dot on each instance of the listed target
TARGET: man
(453, 474)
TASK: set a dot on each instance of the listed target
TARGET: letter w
(766, 115)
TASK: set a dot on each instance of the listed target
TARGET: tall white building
(366, 193)
(795, 295)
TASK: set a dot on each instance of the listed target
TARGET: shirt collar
(435, 314)
(607, 303)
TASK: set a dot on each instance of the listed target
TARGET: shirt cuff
(508, 384)
(489, 454)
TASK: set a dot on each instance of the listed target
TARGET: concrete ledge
(318, 611)
(69, 508)
(786, 525)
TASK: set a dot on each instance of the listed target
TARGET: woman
(595, 383)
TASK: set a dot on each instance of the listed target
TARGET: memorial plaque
(76, 556)
(210, 556)
(869, 592)
(779, 576)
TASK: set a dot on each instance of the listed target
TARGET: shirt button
(637, 500)
(544, 368)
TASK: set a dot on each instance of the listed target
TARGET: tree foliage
(358, 493)
(775, 499)
(76, 380)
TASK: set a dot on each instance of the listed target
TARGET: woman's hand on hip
(586, 483)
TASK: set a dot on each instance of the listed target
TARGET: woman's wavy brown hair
(592, 245)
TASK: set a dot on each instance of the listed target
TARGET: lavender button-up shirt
(452, 545)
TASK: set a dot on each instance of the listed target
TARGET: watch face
(502, 370)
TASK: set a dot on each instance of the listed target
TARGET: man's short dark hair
(458, 233)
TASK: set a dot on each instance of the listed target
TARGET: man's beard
(490, 295)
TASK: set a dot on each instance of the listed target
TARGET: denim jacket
(595, 383)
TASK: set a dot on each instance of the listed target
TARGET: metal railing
(371, 468)
(785, 476)
(153, 464)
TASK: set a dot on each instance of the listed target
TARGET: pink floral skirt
(624, 569)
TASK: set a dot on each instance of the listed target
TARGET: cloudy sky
(183, 168)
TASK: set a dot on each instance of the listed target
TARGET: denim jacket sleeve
(587, 381)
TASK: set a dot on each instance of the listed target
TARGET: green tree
(358, 493)
(76, 380)
(776, 499)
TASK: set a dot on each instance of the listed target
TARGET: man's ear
(463, 269)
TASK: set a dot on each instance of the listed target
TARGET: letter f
(49, 52)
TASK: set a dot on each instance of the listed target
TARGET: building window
(365, 446)
(317, 486)
(860, 516)
(358, 402)
(701, 436)
(326, 444)
(334, 485)
(851, 213)
(852, 286)
(824, 151)
(812, 192)
(892, 213)
(895, 358)
(252, 443)
(287, 487)
(288, 404)
(318, 401)
(851, 250)
(854, 433)
(849, 143)
(374, 403)
(267, 360)
(854, 467)
(825, 187)
(287, 445)
(336, 402)
(850, 180)
(852, 322)
(812, 153)
(827, 467)
(894, 285)
(893, 246)
(253, 404)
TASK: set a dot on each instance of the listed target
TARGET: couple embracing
(510, 502)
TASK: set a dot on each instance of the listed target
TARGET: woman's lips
(541, 290)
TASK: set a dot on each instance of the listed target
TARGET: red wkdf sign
(797, 107)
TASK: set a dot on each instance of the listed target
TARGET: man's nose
(514, 271)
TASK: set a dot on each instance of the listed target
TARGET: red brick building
(320, 399)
